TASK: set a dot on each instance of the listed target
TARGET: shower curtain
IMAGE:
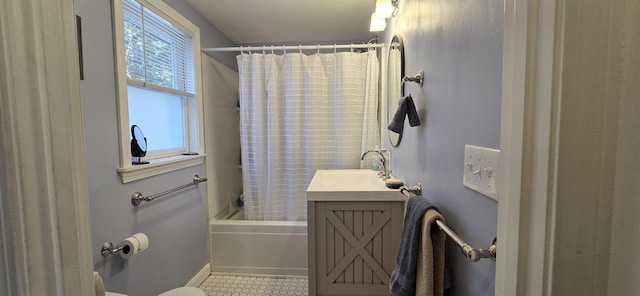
(298, 114)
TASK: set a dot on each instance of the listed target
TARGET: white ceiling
(289, 21)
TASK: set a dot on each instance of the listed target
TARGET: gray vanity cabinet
(353, 245)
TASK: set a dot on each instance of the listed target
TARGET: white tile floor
(234, 285)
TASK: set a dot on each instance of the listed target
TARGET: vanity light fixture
(377, 23)
(386, 8)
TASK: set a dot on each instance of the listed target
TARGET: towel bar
(137, 198)
(416, 189)
(469, 251)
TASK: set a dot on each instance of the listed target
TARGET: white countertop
(350, 185)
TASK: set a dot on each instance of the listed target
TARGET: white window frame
(194, 125)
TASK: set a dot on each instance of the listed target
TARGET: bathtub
(258, 247)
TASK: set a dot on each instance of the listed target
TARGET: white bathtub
(258, 247)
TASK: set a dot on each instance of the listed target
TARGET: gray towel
(406, 108)
(403, 277)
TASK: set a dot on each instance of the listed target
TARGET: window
(157, 54)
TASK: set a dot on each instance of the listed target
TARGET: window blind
(158, 54)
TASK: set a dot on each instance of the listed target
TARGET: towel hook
(418, 78)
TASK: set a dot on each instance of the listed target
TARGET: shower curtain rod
(294, 47)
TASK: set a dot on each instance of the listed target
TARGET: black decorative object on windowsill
(138, 145)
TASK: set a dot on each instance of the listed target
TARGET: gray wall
(176, 225)
(459, 46)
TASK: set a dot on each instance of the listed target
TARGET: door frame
(529, 124)
(44, 221)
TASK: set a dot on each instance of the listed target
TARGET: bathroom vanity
(354, 226)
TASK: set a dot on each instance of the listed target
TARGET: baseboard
(200, 277)
(260, 271)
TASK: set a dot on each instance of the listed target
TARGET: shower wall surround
(459, 46)
(176, 225)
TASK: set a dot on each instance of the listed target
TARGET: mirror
(395, 88)
(138, 145)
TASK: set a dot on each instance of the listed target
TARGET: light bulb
(377, 23)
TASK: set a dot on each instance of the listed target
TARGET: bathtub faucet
(384, 172)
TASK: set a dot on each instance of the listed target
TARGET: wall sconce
(384, 10)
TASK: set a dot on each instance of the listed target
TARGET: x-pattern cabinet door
(355, 246)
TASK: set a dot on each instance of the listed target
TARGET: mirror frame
(395, 138)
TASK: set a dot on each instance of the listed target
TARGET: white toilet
(181, 291)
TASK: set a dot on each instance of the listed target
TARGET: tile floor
(235, 285)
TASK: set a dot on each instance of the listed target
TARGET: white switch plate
(480, 170)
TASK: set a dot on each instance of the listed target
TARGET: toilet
(181, 291)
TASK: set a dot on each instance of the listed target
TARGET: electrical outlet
(480, 170)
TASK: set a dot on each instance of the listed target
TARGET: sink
(350, 185)
(348, 178)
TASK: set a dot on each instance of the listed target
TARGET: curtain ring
(241, 50)
(351, 47)
(300, 48)
(250, 50)
(272, 49)
(284, 49)
(263, 47)
(318, 48)
(335, 48)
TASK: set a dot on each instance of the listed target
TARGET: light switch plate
(480, 170)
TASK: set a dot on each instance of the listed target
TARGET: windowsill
(159, 166)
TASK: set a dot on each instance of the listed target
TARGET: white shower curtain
(298, 114)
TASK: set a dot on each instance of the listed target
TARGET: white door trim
(46, 239)
(532, 41)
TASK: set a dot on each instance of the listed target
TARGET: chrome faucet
(384, 173)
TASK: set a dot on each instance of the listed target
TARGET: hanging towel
(406, 108)
(403, 277)
(430, 272)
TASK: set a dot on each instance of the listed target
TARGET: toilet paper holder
(127, 247)
(108, 249)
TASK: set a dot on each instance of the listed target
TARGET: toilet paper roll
(130, 247)
(143, 241)
(133, 245)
